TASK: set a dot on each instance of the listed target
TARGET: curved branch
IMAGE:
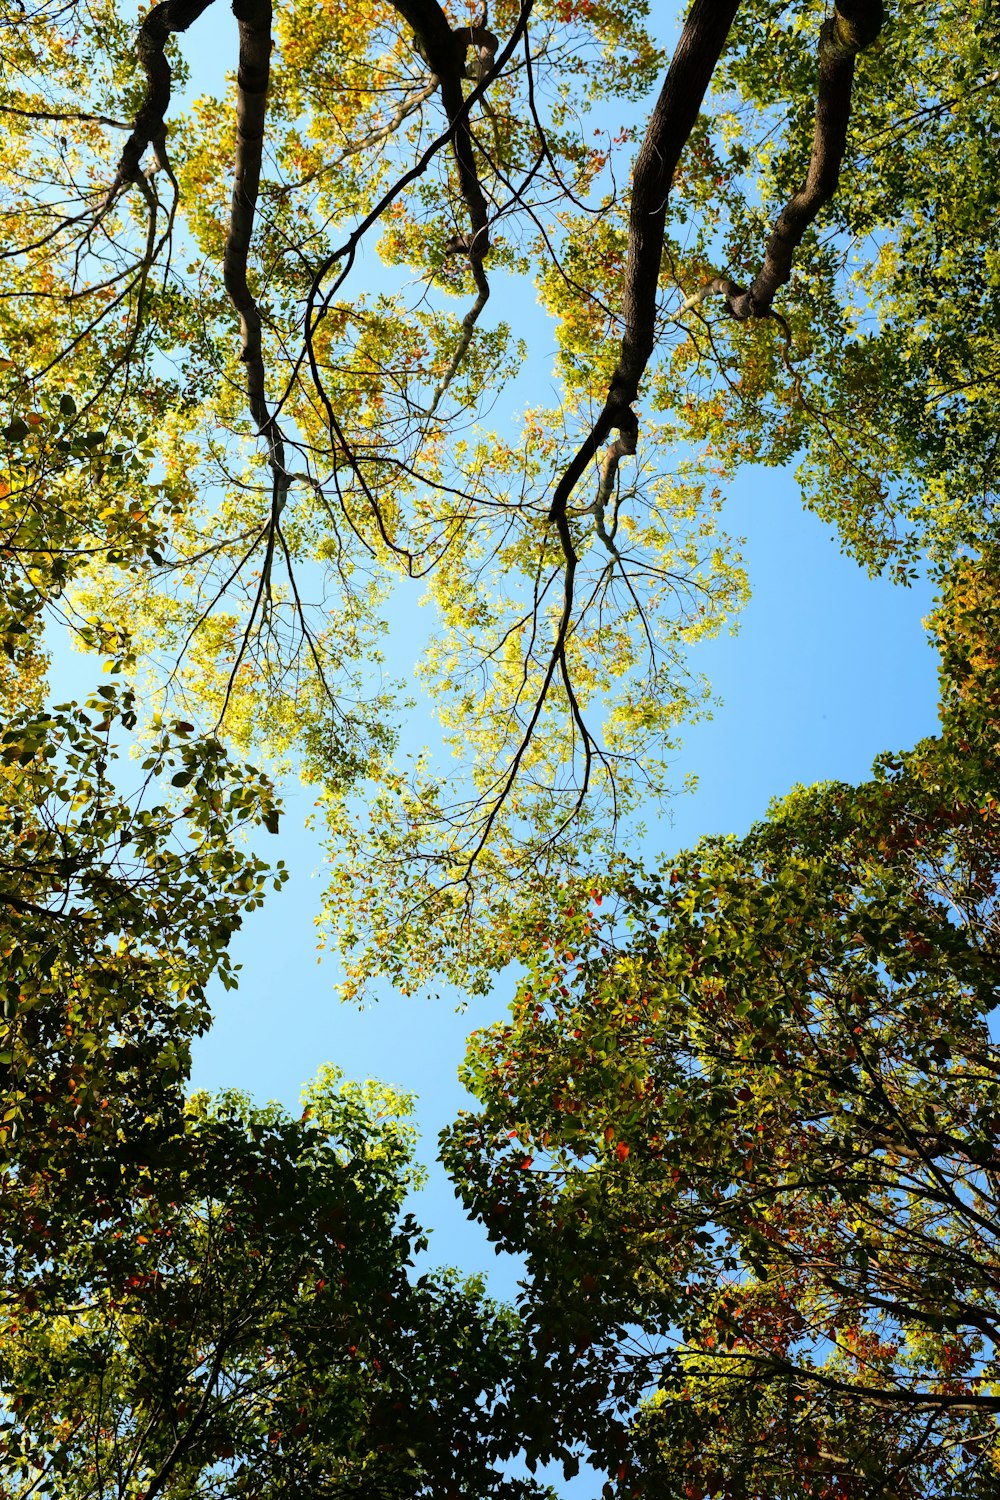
(854, 25)
(347, 251)
(467, 329)
(673, 118)
(622, 447)
(445, 51)
(149, 125)
(254, 19)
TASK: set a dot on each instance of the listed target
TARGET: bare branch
(64, 119)
(404, 108)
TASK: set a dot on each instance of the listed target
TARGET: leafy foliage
(246, 1322)
(743, 1121)
(116, 913)
(762, 1129)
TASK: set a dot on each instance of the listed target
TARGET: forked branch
(149, 125)
(149, 129)
(445, 51)
(854, 25)
(670, 126)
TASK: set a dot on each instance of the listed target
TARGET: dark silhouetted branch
(670, 126)
(854, 25)
(149, 126)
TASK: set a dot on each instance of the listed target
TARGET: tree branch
(445, 51)
(254, 19)
(854, 25)
(149, 126)
(404, 108)
(670, 125)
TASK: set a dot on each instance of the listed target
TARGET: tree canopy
(745, 1128)
(262, 421)
(287, 435)
(243, 1323)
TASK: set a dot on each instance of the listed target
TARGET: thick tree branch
(673, 118)
(854, 25)
(445, 52)
(149, 129)
(347, 251)
(670, 126)
(254, 19)
(149, 126)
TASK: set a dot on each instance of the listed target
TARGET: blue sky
(829, 668)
